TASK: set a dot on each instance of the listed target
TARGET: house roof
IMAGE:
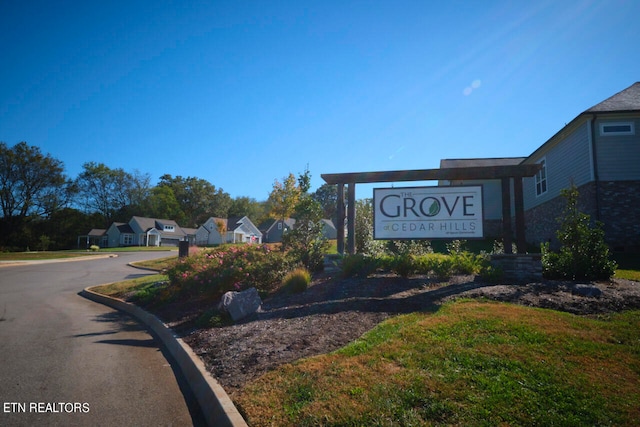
(147, 224)
(266, 225)
(230, 224)
(190, 231)
(328, 223)
(234, 222)
(625, 100)
(97, 232)
(123, 227)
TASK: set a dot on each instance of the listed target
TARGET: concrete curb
(217, 406)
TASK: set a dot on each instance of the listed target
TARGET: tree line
(42, 208)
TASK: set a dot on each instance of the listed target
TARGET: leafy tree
(327, 196)
(583, 254)
(221, 226)
(31, 183)
(32, 187)
(247, 206)
(284, 197)
(162, 203)
(365, 243)
(306, 242)
(304, 181)
(198, 198)
(110, 191)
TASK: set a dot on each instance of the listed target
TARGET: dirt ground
(336, 311)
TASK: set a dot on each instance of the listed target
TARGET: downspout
(596, 177)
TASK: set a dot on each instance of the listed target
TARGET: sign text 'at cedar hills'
(428, 212)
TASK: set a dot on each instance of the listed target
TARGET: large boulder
(240, 304)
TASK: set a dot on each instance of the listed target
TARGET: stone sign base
(519, 268)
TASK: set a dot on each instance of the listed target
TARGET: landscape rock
(587, 291)
(240, 304)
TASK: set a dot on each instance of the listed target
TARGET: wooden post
(507, 240)
(340, 219)
(521, 237)
(351, 218)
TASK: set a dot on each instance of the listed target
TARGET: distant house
(329, 230)
(141, 231)
(599, 152)
(216, 231)
(273, 229)
(96, 236)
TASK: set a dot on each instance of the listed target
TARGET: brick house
(599, 152)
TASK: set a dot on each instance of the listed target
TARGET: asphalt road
(68, 361)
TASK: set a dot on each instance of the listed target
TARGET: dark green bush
(359, 265)
(583, 254)
(403, 265)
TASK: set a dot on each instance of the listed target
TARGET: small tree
(221, 226)
(305, 242)
(284, 197)
(365, 244)
(583, 255)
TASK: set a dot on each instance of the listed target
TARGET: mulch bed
(335, 311)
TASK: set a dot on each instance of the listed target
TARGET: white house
(216, 231)
(141, 231)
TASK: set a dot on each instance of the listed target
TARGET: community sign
(452, 212)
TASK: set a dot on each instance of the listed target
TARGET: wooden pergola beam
(451, 174)
(503, 173)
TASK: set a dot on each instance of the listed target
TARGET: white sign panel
(427, 213)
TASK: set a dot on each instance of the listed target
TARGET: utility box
(183, 249)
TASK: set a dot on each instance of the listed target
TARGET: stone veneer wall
(542, 222)
(519, 268)
(619, 211)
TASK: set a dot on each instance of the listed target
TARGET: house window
(279, 226)
(617, 129)
(541, 179)
(168, 228)
(127, 239)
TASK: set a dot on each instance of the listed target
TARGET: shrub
(409, 247)
(456, 247)
(442, 268)
(213, 318)
(403, 265)
(491, 274)
(467, 263)
(583, 253)
(306, 243)
(297, 281)
(359, 265)
(94, 248)
(214, 272)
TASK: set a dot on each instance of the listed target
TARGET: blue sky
(241, 93)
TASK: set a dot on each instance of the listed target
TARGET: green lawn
(119, 289)
(470, 363)
(45, 255)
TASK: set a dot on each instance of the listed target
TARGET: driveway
(65, 360)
